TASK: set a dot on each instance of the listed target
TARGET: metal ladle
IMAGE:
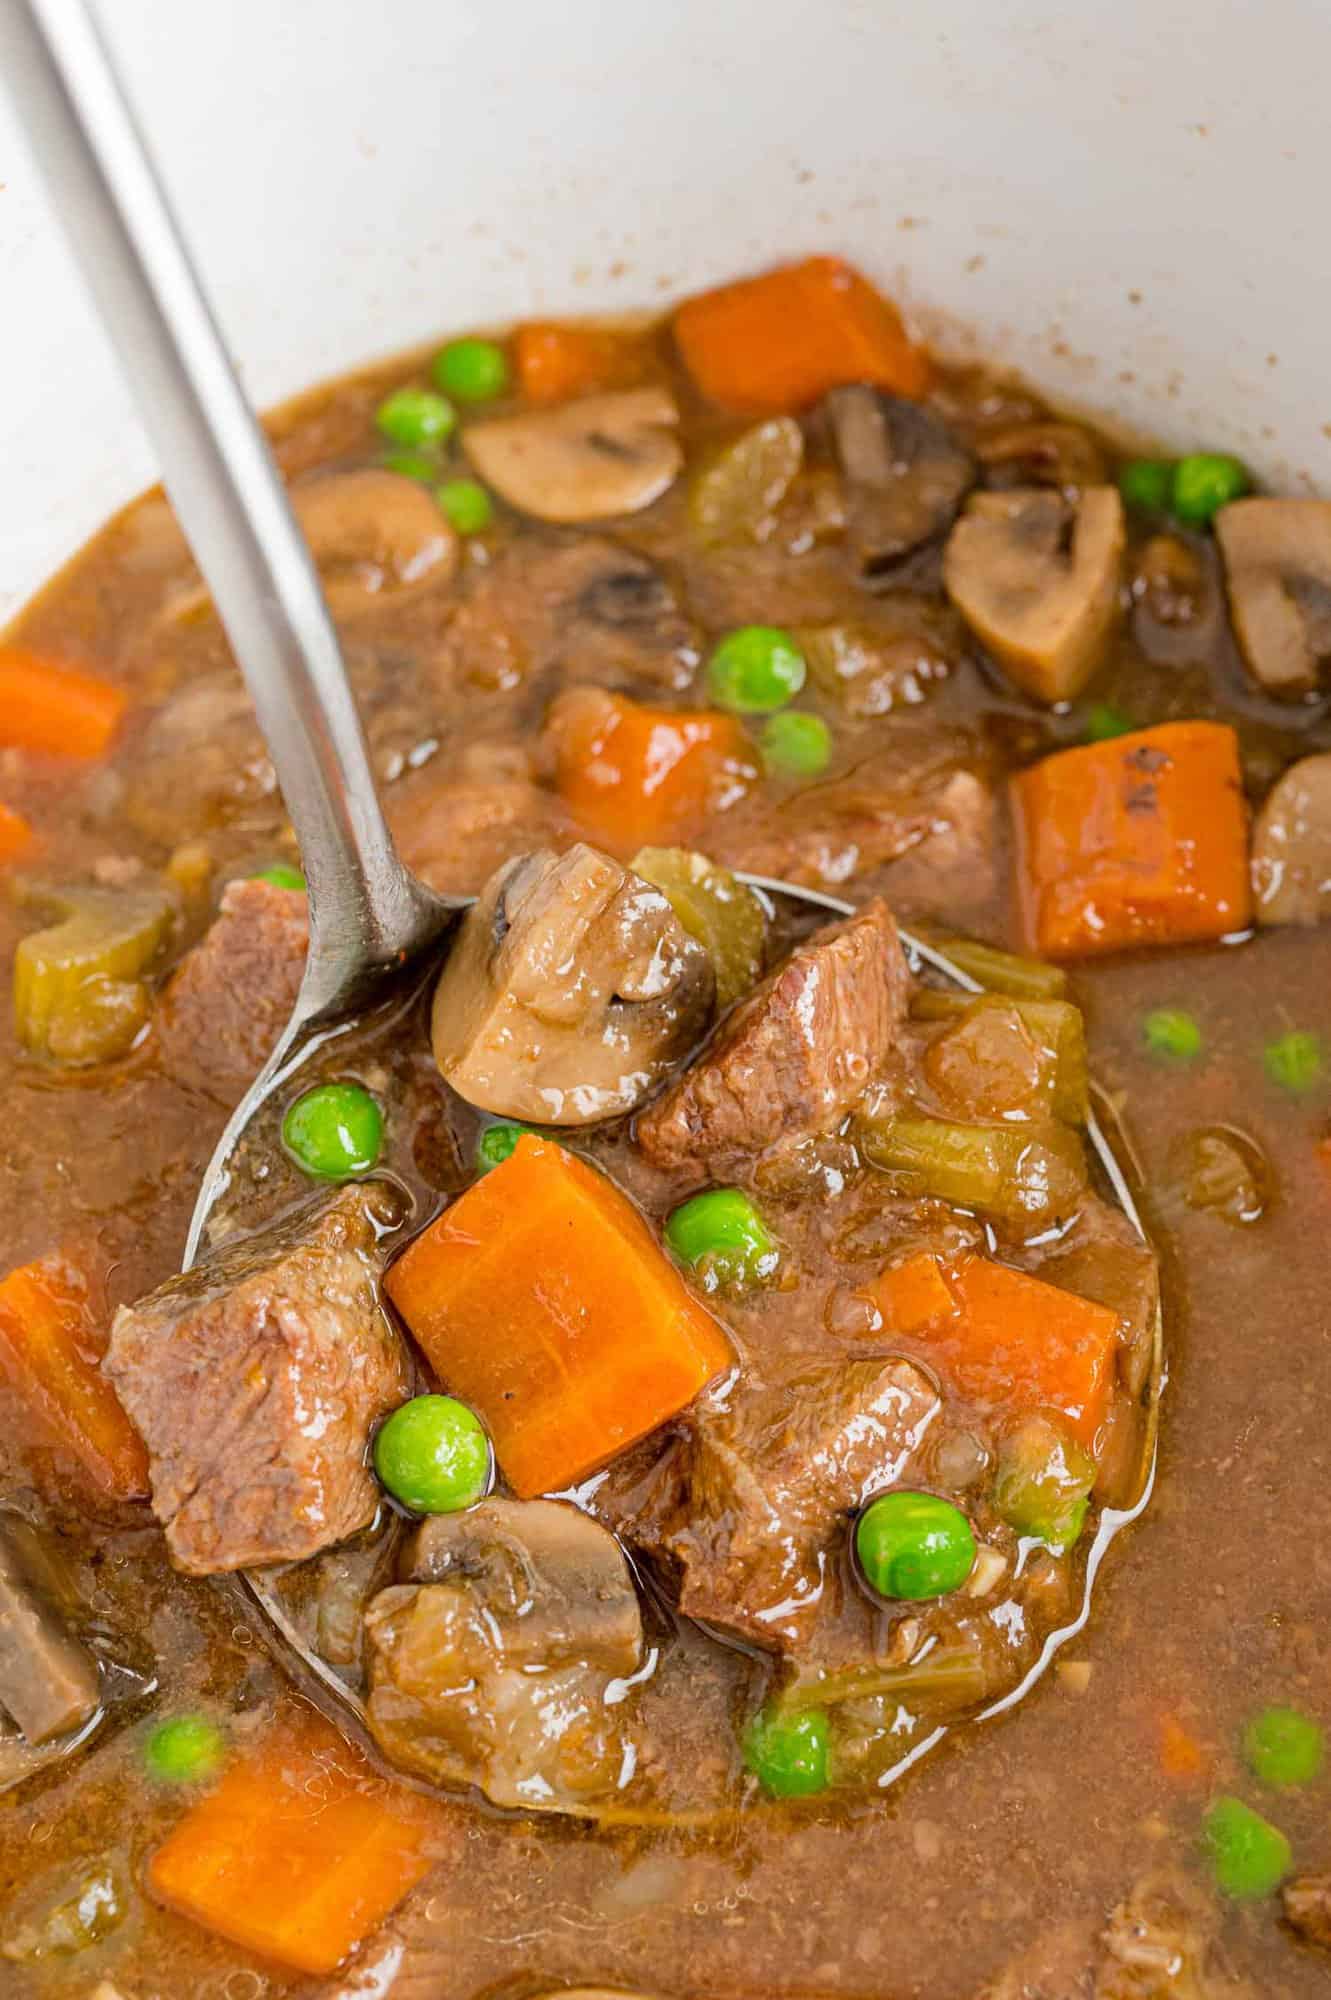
(373, 925)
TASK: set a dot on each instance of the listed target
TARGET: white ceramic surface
(1124, 197)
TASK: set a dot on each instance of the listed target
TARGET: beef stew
(661, 1476)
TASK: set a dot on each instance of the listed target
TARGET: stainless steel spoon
(372, 923)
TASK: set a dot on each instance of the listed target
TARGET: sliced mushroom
(375, 536)
(1278, 568)
(906, 474)
(583, 461)
(504, 1667)
(555, 1582)
(48, 1679)
(1291, 846)
(1063, 456)
(570, 991)
(1036, 578)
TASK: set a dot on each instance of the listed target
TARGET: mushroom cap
(555, 1584)
(374, 536)
(1042, 600)
(582, 461)
(571, 988)
(905, 472)
(1291, 846)
(1278, 571)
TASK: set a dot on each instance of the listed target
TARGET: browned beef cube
(256, 1380)
(794, 1056)
(222, 1012)
(771, 1480)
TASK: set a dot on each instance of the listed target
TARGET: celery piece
(726, 918)
(1043, 1482)
(78, 993)
(1003, 971)
(1018, 1174)
(734, 497)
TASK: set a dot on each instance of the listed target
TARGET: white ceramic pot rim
(1126, 208)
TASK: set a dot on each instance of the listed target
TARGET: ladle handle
(221, 476)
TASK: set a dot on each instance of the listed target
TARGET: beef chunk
(492, 1666)
(770, 1478)
(454, 834)
(1307, 1902)
(48, 1679)
(255, 1380)
(223, 1011)
(601, 613)
(794, 1056)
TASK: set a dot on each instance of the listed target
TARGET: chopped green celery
(1018, 1174)
(79, 995)
(950, 1675)
(726, 918)
(734, 497)
(1003, 971)
(1055, 1026)
(97, 1906)
(1043, 1481)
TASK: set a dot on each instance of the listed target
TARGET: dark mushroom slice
(1060, 455)
(582, 461)
(1278, 569)
(1037, 580)
(505, 1667)
(1307, 1906)
(49, 1682)
(1291, 846)
(571, 989)
(905, 473)
(557, 1576)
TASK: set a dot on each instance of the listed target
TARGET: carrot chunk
(1139, 840)
(15, 835)
(1182, 1757)
(46, 705)
(298, 1854)
(782, 340)
(634, 776)
(542, 1298)
(1004, 1337)
(49, 1353)
(554, 363)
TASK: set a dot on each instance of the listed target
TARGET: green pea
(756, 668)
(419, 465)
(1204, 483)
(281, 875)
(1173, 1034)
(1042, 1483)
(1283, 1747)
(796, 745)
(466, 505)
(789, 1754)
(721, 1234)
(1248, 1856)
(497, 1142)
(914, 1545)
(334, 1131)
(1295, 1061)
(1147, 484)
(433, 1455)
(184, 1751)
(471, 371)
(1104, 722)
(416, 417)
